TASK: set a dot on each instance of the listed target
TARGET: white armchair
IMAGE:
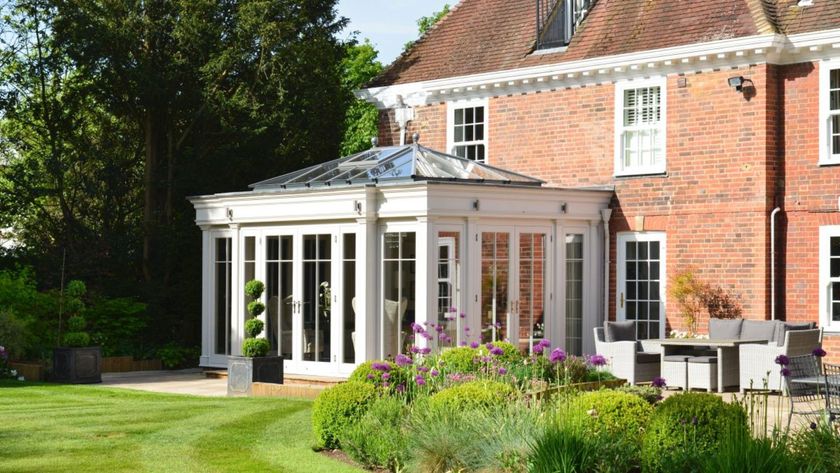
(758, 361)
(637, 361)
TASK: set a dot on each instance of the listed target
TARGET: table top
(718, 342)
(833, 380)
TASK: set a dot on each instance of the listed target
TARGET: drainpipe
(773, 262)
(403, 114)
(605, 216)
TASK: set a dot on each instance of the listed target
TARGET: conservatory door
(641, 276)
(513, 272)
(315, 301)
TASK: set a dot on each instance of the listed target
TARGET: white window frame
(450, 126)
(826, 66)
(620, 88)
(621, 273)
(826, 233)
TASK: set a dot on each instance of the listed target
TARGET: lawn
(47, 428)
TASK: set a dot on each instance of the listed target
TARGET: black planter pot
(243, 371)
(77, 365)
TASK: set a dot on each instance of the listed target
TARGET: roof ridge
(764, 15)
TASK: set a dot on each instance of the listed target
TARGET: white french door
(514, 284)
(641, 279)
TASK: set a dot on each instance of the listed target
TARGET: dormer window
(557, 21)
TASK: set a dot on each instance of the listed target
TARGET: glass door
(496, 262)
(641, 272)
(280, 298)
(531, 275)
(316, 297)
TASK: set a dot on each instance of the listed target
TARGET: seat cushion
(620, 331)
(758, 330)
(703, 359)
(677, 358)
(647, 357)
(783, 328)
(725, 329)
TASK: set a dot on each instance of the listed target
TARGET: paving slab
(189, 381)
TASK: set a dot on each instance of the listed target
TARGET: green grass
(46, 428)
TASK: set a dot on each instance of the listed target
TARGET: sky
(389, 24)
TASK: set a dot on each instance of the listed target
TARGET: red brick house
(703, 116)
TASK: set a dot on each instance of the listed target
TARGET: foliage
(253, 327)
(459, 360)
(613, 412)
(13, 334)
(739, 452)
(336, 409)
(76, 335)
(425, 23)
(117, 325)
(254, 288)
(174, 356)
(687, 291)
(817, 446)
(565, 447)
(361, 123)
(473, 394)
(255, 347)
(377, 439)
(650, 394)
(721, 304)
(77, 339)
(685, 427)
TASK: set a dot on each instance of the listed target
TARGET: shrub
(614, 412)
(459, 360)
(377, 439)
(686, 427)
(650, 394)
(738, 451)
(255, 347)
(175, 356)
(76, 339)
(253, 327)
(816, 447)
(337, 408)
(511, 352)
(474, 394)
(76, 336)
(13, 333)
(564, 447)
(254, 289)
(363, 370)
(77, 323)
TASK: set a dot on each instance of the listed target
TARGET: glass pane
(495, 270)
(392, 246)
(835, 312)
(654, 249)
(272, 248)
(272, 308)
(348, 297)
(459, 134)
(631, 270)
(643, 250)
(223, 296)
(221, 249)
(392, 308)
(834, 244)
(310, 249)
(449, 288)
(479, 114)
(574, 294)
(531, 299)
(459, 116)
(324, 246)
(250, 249)
(835, 268)
(408, 247)
(286, 248)
(630, 248)
(835, 79)
(284, 307)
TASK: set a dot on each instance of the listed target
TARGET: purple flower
(463, 315)
(782, 360)
(420, 380)
(557, 356)
(486, 359)
(502, 371)
(415, 349)
(785, 372)
(386, 376)
(496, 351)
(489, 346)
(385, 385)
(474, 345)
(466, 330)
(498, 325)
(370, 376)
(403, 360)
(425, 351)
(401, 388)
(597, 360)
(417, 328)
(463, 343)
(434, 372)
(381, 366)
(658, 382)
(818, 352)
(426, 336)
(422, 369)
(544, 343)
(439, 328)
(538, 349)
(813, 426)
(452, 309)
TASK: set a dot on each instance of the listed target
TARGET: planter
(244, 371)
(77, 365)
(587, 386)
(29, 371)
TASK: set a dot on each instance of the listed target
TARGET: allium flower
(426, 336)
(463, 343)
(538, 349)
(385, 385)
(474, 345)
(402, 360)
(782, 360)
(434, 372)
(401, 388)
(423, 369)
(466, 330)
(496, 351)
(381, 366)
(502, 371)
(785, 372)
(545, 343)
(557, 356)
(813, 426)
(425, 351)
(439, 328)
(452, 309)
(818, 352)
(370, 376)
(420, 380)
(386, 376)
(597, 360)
(417, 328)
(489, 346)
(486, 359)
(658, 382)
(415, 349)
(498, 325)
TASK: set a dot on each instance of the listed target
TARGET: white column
(237, 296)
(368, 265)
(558, 332)
(424, 289)
(472, 263)
(207, 322)
(591, 277)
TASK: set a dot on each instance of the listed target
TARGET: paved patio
(190, 381)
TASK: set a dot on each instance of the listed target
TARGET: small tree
(76, 335)
(252, 346)
(688, 292)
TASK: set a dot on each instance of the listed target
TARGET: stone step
(321, 382)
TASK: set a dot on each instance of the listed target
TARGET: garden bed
(545, 394)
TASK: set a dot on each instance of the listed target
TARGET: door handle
(622, 300)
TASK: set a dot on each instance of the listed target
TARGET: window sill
(832, 331)
(824, 164)
(628, 176)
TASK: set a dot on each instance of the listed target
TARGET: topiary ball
(613, 413)
(254, 289)
(76, 289)
(691, 423)
(255, 308)
(337, 408)
(76, 339)
(253, 327)
(255, 347)
(461, 359)
(474, 395)
(77, 323)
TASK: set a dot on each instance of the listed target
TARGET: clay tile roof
(491, 35)
(793, 19)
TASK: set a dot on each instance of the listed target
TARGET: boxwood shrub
(377, 439)
(473, 395)
(686, 427)
(612, 412)
(337, 408)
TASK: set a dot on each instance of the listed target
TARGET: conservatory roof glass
(394, 164)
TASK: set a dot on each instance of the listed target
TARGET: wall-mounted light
(476, 205)
(230, 214)
(563, 207)
(737, 83)
(357, 206)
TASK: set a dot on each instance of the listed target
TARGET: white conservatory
(356, 250)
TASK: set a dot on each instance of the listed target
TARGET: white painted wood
(826, 233)
(621, 277)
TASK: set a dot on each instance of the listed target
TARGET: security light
(737, 83)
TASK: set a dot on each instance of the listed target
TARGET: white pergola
(356, 250)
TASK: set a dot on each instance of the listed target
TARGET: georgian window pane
(469, 133)
(642, 141)
(835, 246)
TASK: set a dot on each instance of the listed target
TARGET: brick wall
(808, 199)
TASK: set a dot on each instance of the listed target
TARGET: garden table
(727, 355)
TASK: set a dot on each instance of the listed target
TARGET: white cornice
(769, 48)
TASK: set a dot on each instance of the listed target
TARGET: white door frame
(621, 277)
